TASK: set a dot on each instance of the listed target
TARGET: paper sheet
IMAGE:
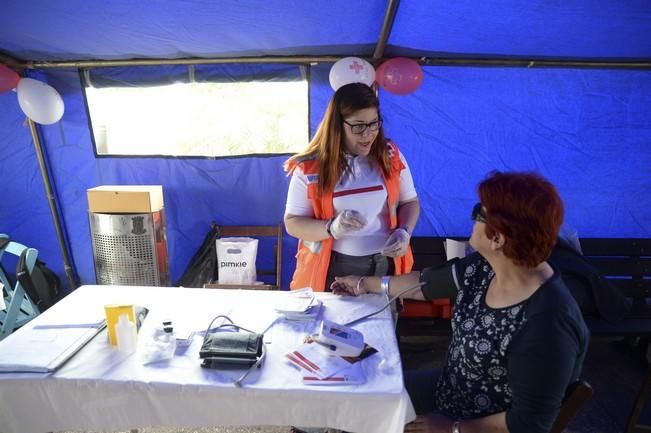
(353, 375)
(455, 249)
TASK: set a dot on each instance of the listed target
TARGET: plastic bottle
(126, 333)
(169, 339)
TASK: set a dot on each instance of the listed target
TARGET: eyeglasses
(478, 214)
(360, 128)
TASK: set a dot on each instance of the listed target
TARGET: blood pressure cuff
(440, 281)
(224, 349)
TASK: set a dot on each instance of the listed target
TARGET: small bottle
(169, 339)
(126, 333)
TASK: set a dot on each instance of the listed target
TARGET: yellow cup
(113, 312)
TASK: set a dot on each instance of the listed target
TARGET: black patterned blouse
(517, 359)
(464, 390)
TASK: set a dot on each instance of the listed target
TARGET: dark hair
(328, 142)
(527, 210)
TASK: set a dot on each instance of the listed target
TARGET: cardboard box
(125, 198)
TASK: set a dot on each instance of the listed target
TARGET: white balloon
(351, 70)
(39, 101)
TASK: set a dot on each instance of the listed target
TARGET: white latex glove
(397, 244)
(346, 222)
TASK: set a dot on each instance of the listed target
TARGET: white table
(102, 389)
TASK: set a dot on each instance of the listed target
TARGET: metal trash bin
(130, 249)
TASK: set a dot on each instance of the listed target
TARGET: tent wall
(588, 131)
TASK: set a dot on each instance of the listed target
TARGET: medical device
(341, 340)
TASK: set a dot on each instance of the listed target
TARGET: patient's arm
(437, 282)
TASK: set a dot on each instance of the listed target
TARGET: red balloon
(399, 76)
(8, 78)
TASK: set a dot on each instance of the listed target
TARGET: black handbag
(230, 345)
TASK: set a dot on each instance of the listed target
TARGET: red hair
(527, 210)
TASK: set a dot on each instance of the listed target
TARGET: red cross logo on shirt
(356, 67)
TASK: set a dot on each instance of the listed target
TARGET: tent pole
(70, 274)
(533, 63)
(183, 61)
(424, 60)
(10, 61)
(387, 25)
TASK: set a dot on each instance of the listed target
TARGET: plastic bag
(156, 342)
(236, 260)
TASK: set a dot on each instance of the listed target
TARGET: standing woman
(351, 200)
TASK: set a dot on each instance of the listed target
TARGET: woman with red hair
(518, 337)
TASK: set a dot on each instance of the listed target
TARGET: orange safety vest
(313, 258)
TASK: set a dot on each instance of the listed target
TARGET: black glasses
(360, 128)
(478, 214)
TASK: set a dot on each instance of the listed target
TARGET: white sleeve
(407, 189)
(297, 202)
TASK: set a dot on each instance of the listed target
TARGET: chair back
(19, 308)
(275, 232)
(576, 396)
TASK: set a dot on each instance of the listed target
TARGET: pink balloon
(8, 79)
(399, 76)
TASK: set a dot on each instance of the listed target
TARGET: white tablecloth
(100, 388)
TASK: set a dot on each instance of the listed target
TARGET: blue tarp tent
(563, 88)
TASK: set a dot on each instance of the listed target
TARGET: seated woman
(518, 337)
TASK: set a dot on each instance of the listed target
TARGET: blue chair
(19, 308)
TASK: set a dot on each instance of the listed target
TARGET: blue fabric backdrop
(587, 130)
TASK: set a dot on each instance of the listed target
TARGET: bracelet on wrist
(384, 284)
(359, 285)
(329, 226)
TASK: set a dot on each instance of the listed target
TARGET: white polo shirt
(363, 190)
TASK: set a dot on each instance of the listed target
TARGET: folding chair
(576, 396)
(275, 232)
(19, 308)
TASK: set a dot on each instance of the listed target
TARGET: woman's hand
(346, 222)
(397, 243)
(348, 286)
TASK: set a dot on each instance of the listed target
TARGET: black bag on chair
(594, 294)
(42, 285)
(202, 268)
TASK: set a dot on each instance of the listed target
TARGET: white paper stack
(352, 375)
(314, 360)
(300, 305)
(320, 367)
